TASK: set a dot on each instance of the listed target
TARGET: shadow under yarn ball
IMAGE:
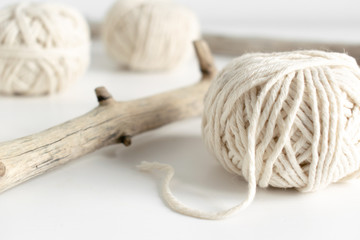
(149, 35)
(44, 48)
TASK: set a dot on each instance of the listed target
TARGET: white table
(104, 196)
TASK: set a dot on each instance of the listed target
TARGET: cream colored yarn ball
(44, 48)
(288, 120)
(148, 34)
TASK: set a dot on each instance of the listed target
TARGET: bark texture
(110, 123)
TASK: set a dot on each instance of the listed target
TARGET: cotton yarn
(149, 35)
(287, 120)
(44, 48)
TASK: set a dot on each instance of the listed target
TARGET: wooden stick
(236, 46)
(110, 123)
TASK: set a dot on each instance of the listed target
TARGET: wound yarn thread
(149, 35)
(287, 120)
(44, 48)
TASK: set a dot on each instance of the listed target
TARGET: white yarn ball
(149, 35)
(43, 48)
(288, 120)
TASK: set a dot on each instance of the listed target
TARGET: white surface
(103, 195)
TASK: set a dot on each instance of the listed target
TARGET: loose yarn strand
(180, 207)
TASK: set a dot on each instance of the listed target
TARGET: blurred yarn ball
(149, 35)
(44, 48)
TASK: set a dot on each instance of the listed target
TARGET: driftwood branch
(110, 123)
(236, 46)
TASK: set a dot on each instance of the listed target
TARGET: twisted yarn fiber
(149, 34)
(289, 120)
(43, 48)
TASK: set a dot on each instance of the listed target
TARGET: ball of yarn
(43, 48)
(149, 35)
(287, 120)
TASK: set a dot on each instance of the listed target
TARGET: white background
(103, 195)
